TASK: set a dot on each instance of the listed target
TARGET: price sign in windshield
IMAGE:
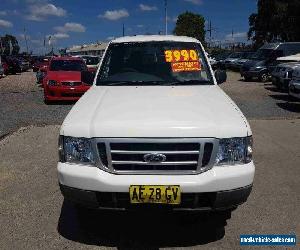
(183, 60)
(183, 55)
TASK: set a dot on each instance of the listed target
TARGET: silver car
(282, 74)
(294, 86)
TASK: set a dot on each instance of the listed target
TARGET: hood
(231, 59)
(243, 60)
(64, 76)
(155, 111)
(253, 63)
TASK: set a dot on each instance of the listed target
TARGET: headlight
(52, 83)
(74, 150)
(234, 151)
(256, 68)
(289, 74)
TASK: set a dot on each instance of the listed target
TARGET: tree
(190, 24)
(275, 20)
(5, 45)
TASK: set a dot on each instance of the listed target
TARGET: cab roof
(156, 38)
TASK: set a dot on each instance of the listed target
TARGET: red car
(5, 68)
(40, 63)
(62, 81)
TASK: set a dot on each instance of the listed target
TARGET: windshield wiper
(190, 82)
(114, 83)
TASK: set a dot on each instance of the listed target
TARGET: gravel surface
(21, 102)
(33, 214)
(260, 100)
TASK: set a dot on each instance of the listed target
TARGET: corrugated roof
(89, 47)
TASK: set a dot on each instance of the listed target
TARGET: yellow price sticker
(183, 55)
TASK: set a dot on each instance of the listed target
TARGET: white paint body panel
(155, 111)
(217, 179)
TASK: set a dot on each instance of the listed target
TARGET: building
(96, 49)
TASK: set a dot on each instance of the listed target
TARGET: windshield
(67, 65)
(261, 54)
(235, 55)
(89, 60)
(154, 63)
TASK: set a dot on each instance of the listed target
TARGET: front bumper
(251, 74)
(64, 93)
(294, 89)
(209, 201)
(216, 184)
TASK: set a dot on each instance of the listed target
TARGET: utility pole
(232, 39)
(166, 17)
(209, 30)
(25, 37)
(123, 30)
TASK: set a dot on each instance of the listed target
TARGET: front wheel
(247, 78)
(292, 98)
(264, 77)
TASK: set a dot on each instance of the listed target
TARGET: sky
(76, 22)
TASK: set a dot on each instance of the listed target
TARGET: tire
(47, 102)
(264, 77)
(292, 98)
(247, 78)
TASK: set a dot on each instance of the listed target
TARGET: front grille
(71, 94)
(71, 84)
(157, 155)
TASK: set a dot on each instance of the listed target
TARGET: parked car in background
(282, 73)
(237, 64)
(5, 68)
(40, 62)
(294, 86)
(40, 74)
(221, 57)
(63, 79)
(92, 62)
(13, 65)
(263, 61)
(232, 58)
(1, 70)
(24, 64)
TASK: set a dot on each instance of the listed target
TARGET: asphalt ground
(33, 214)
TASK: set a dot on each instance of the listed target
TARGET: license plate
(155, 194)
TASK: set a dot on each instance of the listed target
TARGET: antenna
(25, 37)
(166, 17)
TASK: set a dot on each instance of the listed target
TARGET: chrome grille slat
(156, 163)
(149, 152)
(71, 84)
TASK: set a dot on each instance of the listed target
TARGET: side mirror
(220, 76)
(87, 77)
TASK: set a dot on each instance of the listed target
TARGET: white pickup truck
(155, 130)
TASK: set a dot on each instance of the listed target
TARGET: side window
(279, 53)
(293, 49)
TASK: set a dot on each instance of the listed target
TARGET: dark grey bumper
(189, 201)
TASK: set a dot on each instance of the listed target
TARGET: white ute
(155, 130)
